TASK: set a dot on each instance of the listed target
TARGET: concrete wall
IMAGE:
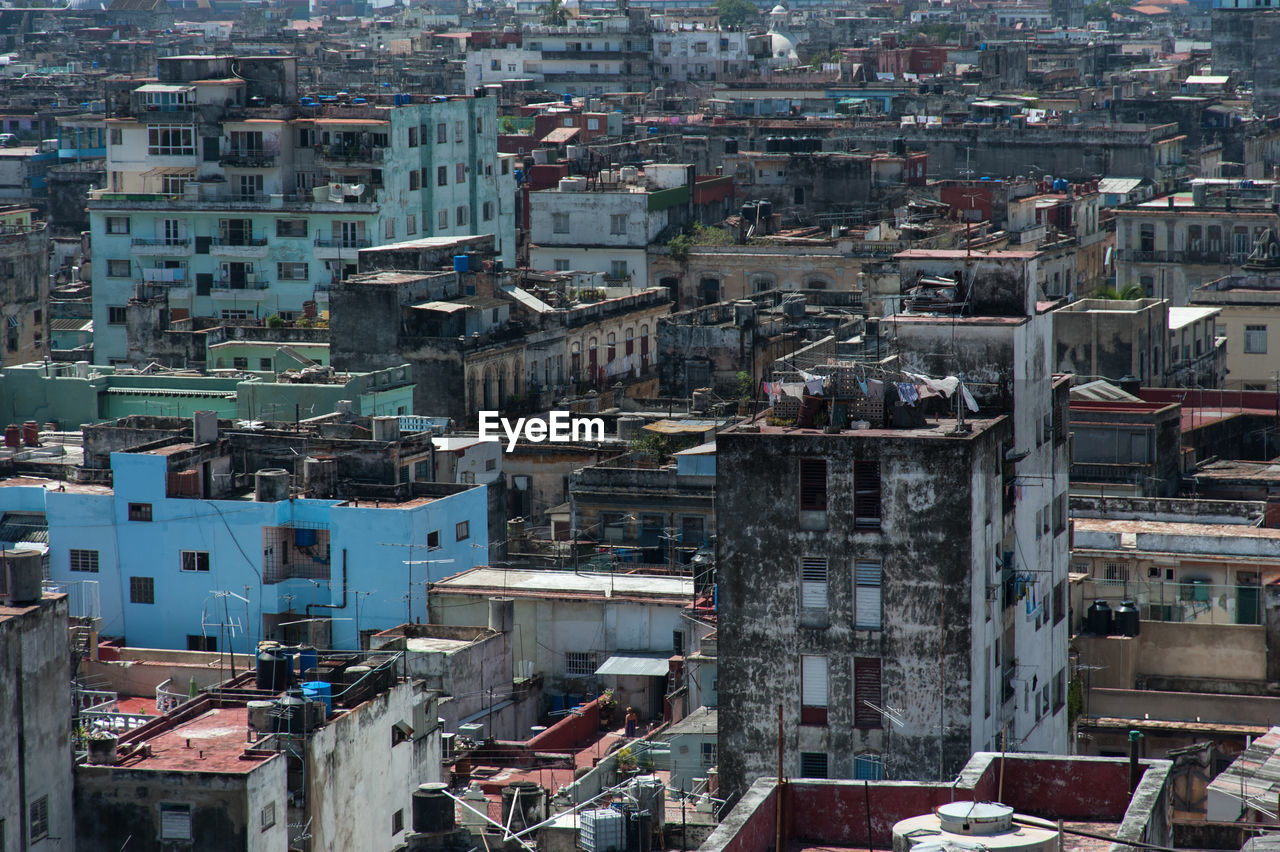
(1228, 709)
(35, 706)
(356, 779)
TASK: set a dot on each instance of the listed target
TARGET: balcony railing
(352, 153)
(222, 242)
(142, 242)
(343, 242)
(227, 284)
(263, 158)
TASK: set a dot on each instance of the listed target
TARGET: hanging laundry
(862, 385)
(926, 392)
(875, 388)
(969, 402)
(813, 386)
(940, 387)
(907, 393)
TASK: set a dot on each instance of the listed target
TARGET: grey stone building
(24, 286)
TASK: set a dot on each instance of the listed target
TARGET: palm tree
(1124, 294)
(554, 13)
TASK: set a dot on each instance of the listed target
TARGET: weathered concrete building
(1126, 445)
(24, 286)
(35, 711)
(1249, 306)
(1113, 339)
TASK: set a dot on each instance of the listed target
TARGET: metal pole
(778, 788)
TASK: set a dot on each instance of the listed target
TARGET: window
(442, 133)
(397, 821)
(813, 690)
(117, 136)
(460, 173)
(117, 224)
(462, 530)
(813, 764)
(486, 211)
(442, 175)
(171, 140)
(868, 767)
(813, 485)
(264, 364)
(1116, 573)
(458, 131)
(1060, 690)
(813, 582)
(559, 223)
(413, 137)
(389, 229)
(866, 493)
(479, 124)
(866, 692)
(709, 754)
(433, 537)
(197, 642)
(462, 215)
(442, 220)
(1255, 340)
(579, 664)
(195, 560)
(1059, 601)
(618, 223)
(240, 363)
(117, 315)
(142, 590)
(490, 464)
(268, 815)
(411, 224)
(618, 269)
(84, 560)
(560, 264)
(175, 822)
(414, 180)
(293, 271)
(866, 596)
(118, 268)
(39, 818)
(139, 511)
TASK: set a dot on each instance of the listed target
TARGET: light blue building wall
(140, 560)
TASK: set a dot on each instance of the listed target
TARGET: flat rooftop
(555, 583)
(936, 428)
(1170, 528)
(212, 741)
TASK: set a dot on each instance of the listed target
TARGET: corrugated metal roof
(635, 664)
(20, 527)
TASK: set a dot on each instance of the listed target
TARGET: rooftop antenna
(227, 627)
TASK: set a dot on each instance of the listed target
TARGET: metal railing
(343, 242)
(238, 242)
(167, 699)
(174, 242)
(1181, 602)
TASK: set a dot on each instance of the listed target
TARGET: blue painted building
(156, 563)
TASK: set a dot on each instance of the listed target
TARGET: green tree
(1098, 11)
(554, 13)
(743, 381)
(735, 13)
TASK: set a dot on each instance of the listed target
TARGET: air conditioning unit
(448, 746)
(473, 731)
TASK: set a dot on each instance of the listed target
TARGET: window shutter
(866, 493)
(813, 485)
(866, 690)
(813, 681)
(813, 582)
(866, 595)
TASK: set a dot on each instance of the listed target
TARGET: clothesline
(919, 387)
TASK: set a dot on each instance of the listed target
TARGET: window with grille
(175, 822)
(1116, 573)
(813, 582)
(868, 767)
(866, 493)
(813, 485)
(813, 764)
(462, 531)
(1060, 601)
(866, 692)
(709, 754)
(579, 664)
(1255, 340)
(118, 268)
(866, 595)
(268, 815)
(813, 690)
(292, 271)
(397, 822)
(142, 590)
(291, 227)
(171, 141)
(1059, 690)
(84, 560)
(139, 511)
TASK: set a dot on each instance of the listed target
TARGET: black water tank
(432, 809)
(766, 213)
(1098, 619)
(274, 671)
(900, 146)
(749, 212)
(1130, 384)
(731, 146)
(1127, 622)
(292, 718)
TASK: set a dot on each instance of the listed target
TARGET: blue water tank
(568, 99)
(308, 658)
(359, 101)
(319, 690)
(461, 263)
(304, 537)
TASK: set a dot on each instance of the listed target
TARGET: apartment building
(698, 55)
(228, 196)
(24, 286)
(898, 584)
(1172, 244)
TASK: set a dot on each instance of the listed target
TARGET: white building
(698, 55)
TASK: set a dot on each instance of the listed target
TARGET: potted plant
(626, 760)
(608, 705)
(102, 747)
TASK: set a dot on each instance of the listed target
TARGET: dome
(779, 10)
(782, 47)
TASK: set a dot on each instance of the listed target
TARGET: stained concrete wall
(1177, 650)
(35, 706)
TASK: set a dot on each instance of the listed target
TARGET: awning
(162, 88)
(189, 171)
(635, 664)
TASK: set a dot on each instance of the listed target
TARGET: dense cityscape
(418, 416)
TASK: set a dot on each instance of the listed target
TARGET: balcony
(163, 275)
(1135, 256)
(225, 289)
(336, 249)
(249, 158)
(351, 155)
(161, 248)
(252, 247)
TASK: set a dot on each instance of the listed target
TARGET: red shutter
(813, 485)
(866, 691)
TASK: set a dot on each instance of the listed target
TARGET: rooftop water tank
(973, 825)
